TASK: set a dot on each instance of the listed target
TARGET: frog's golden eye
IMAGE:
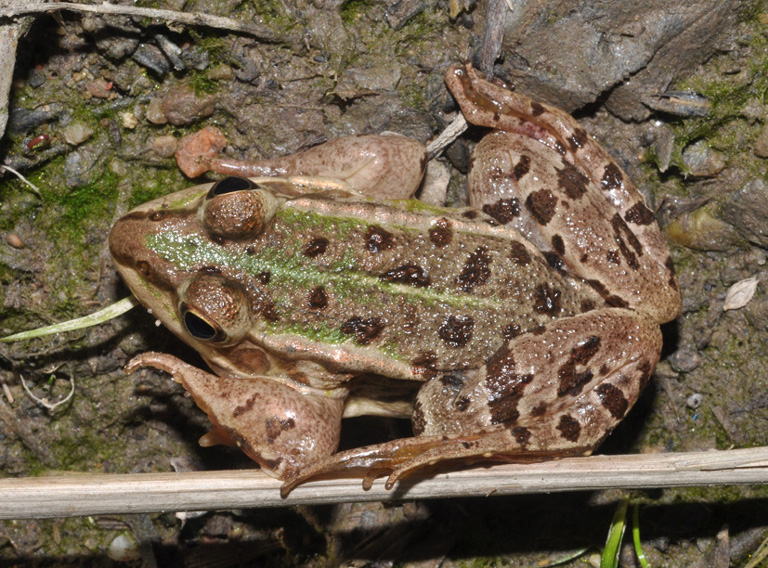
(215, 309)
(235, 209)
(198, 327)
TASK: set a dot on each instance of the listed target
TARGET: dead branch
(166, 16)
(90, 494)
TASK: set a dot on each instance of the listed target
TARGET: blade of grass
(103, 315)
(610, 557)
(636, 536)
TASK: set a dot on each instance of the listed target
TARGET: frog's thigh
(566, 215)
(560, 390)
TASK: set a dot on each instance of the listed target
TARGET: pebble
(14, 240)
(694, 401)
(182, 106)
(100, 88)
(164, 146)
(761, 144)
(124, 548)
(76, 133)
(685, 360)
(128, 120)
(154, 111)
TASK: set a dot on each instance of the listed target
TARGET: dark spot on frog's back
(317, 298)
(522, 435)
(541, 205)
(639, 214)
(612, 177)
(424, 366)
(571, 381)
(315, 247)
(572, 181)
(522, 167)
(505, 386)
(245, 407)
(476, 271)
(365, 330)
(613, 399)
(519, 254)
(409, 274)
(558, 244)
(264, 277)
(547, 299)
(569, 427)
(510, 331)
(537, 109)
(274, 426)
(610, 299)
(621, 231)
(441, 232)
(456, 331)
(539, 410)
(584, 351)
(378, 239)
(503, 210)
(577, 139)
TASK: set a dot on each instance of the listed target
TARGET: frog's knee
(453, 403)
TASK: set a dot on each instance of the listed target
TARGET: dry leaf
(740, 294)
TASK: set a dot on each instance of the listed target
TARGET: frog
(522, 327)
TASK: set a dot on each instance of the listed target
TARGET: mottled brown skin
(531, 319)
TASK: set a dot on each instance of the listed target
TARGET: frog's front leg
(557, 391)
(381, 166)
(281, 429)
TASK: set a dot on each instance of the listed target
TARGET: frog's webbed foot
(401, 457)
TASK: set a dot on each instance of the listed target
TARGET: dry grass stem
(166, 16)
(93, 494)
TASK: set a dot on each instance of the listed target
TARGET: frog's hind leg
(569, 197)
(556, 391)
(380, 166)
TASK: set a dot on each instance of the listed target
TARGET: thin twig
(447, 136)
(78, 495)
(35, 189)
(44, 401)
(168, 16)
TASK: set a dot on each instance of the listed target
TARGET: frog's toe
(397, 458)
(196, 151)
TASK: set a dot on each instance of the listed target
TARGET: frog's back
(400, 288)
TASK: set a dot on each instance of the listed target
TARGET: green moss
(727, 128)
(352, 10)
(202, 84)
(83, 205)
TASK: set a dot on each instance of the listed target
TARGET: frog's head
(181, 257)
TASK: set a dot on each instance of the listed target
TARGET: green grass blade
(610, 557)
(636, 536)
(103, 315)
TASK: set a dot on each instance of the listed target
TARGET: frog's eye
(229, 185)
(235, 209)
(198, 327)
(214, 309)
